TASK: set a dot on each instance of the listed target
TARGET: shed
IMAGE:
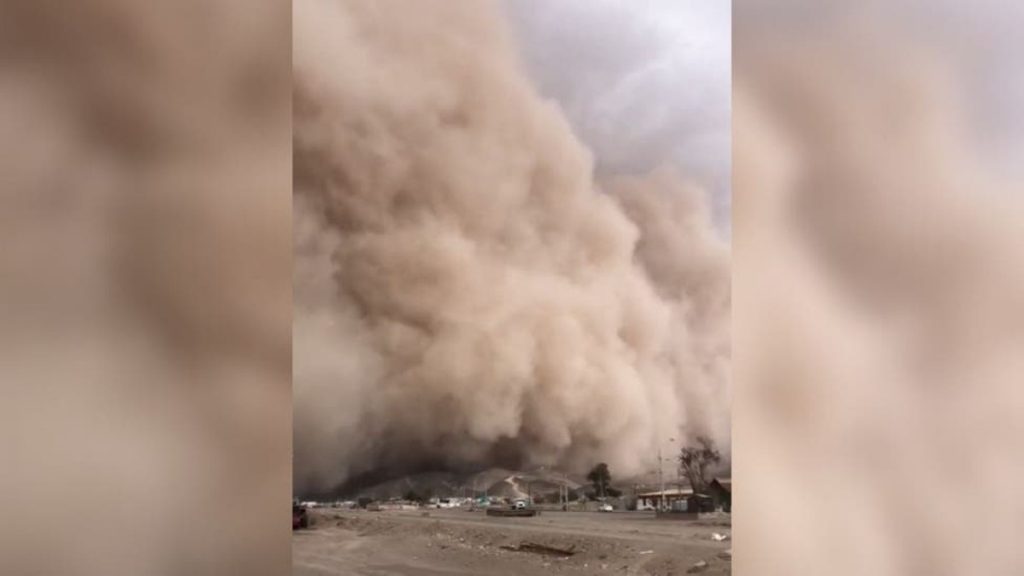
(721, 490)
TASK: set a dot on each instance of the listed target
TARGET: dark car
(300, 517)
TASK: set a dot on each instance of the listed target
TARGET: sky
(643, 83)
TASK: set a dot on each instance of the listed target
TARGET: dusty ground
(410, 543)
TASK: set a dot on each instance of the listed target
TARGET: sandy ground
(459, 542)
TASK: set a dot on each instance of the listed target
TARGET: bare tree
(694, 461)
(601, 478)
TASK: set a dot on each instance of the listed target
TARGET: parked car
(605, 508)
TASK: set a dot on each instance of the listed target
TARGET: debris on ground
(542, 549)
(698, 567)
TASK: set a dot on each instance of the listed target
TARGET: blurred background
(145, 293)
(878, 287)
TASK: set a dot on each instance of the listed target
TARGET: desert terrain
(431, 542)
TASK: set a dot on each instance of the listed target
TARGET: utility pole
(679, 478)
(661, 480)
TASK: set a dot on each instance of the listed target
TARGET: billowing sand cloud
(465, 293)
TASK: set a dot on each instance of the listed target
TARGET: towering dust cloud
(465, 294)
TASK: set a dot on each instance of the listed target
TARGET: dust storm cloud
(465, 293)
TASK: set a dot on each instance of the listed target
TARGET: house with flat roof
(652, 500)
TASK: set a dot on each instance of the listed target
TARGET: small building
(720, 489)
(687, 508)
(653, 500)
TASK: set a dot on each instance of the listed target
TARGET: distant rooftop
(668, 492)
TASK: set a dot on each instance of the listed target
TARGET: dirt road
(458, 542)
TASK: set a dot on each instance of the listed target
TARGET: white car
(605, 508)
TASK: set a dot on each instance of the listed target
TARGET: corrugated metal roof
(668, 492)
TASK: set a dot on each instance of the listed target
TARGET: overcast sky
(643, 82)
